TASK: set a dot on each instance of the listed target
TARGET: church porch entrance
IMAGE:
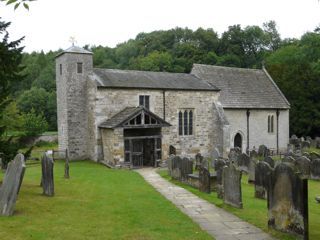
(142, 147)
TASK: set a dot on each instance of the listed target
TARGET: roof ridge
(140, 71)
(226, 67)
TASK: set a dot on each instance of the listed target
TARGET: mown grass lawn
(95, 203)
(255, 210)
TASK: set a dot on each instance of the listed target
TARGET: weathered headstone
(252, 170)
(176, 167)
(305, 144)
(204, 180)
(303, 165)
(253, 154)
(234, 154)
(11, 185)
(216, 154)
(170, 165)
(47, 175)
(205, 163)
(263, 174)
(263, 151)
(288, 201)
(289, 159)
(218, 167)
(269, 160)
(315, 169)
(186, 168)
(199, 160)
(232, 186)
(244, 162)
(317, 140)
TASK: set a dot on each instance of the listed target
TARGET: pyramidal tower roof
(75, 49)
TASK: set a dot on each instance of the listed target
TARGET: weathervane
(72, 40)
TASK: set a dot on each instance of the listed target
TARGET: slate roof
(75, 49)
(114, 78)
(243, 88)
(126, 114)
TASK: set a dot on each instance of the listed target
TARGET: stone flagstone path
(217, 222)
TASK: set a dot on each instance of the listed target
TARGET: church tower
(72, 68)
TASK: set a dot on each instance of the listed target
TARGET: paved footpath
(217, 222)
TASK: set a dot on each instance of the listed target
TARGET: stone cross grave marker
(263, 173)
(47, 165)
(288, 201)
(11, 185)
(232, 186)
(204, 180)
(218, 167)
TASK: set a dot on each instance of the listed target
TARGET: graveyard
(94, 203)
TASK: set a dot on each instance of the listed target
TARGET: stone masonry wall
(109, 102)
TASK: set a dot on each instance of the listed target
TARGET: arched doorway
(238, 141)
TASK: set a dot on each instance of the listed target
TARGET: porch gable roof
(134, 117)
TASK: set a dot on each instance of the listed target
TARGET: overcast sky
(50, 23)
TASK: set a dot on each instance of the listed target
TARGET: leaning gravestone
(232, 186)
(269, 160)
(315, 169)
(47, 175)
(218, 167)
(204, 180)
(263, 173)
(11, 185)
(303, 165)
(199, 160)
(288, 201)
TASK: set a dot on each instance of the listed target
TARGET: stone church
(138, 118)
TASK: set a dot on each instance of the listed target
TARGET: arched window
(186, 122)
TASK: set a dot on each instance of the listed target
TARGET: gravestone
(218, 167)
(315, 169)
(244, 162)
(234, 154)
(314, 155)
(204, 180)
(295, 141)
(288, 201)
(263, 151)
(186, 168)
(205, 163)
(303, 165)
(263, 173)
(199, 160)
(289, 159)
(176, 168)
(232, 186)
(252, 170)
(170, 165)
(269, 160)
(290, 149)
(216, 154)
(47, 175)
(305, 144)
(11, 185)
(66, 166)
(317, 140)
(253, 154)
